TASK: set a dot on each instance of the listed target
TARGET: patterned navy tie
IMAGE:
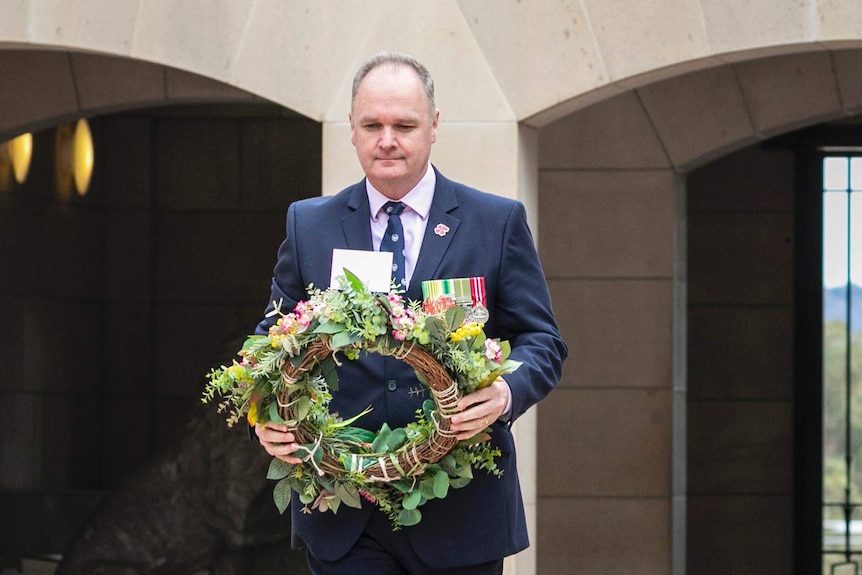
(393, 241)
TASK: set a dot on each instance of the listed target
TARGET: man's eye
(404, 127)
(372, 126)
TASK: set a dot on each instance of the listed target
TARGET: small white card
(374, 269)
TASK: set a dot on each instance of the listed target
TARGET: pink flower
(367, 496)
(493, 352)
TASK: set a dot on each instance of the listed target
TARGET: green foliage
(351, 320)
(835, 412)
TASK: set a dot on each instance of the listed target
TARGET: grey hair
(396, 60)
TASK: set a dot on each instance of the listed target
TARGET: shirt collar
(418, 199)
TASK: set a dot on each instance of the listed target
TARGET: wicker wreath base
(409, 460)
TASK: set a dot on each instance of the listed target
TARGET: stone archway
(592, 109)
(613, 239)
(45, 88)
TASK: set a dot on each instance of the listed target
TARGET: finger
(275, 426)
(278, 442)
(472, 428)
(477, 397)
(497, 394)
(273, 434)
(283, 451)
(471, 422)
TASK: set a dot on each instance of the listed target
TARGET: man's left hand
(480, 409)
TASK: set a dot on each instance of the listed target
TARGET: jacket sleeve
(287, 288)
(525, 318)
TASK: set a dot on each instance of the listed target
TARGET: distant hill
(835, 306)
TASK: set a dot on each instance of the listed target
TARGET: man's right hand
(277, 441)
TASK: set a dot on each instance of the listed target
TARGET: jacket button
(391, 385)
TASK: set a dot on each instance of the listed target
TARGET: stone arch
(45, 88)
(684, 121)
(528, 60)
(613, 237)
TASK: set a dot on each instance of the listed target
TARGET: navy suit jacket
(488, 236)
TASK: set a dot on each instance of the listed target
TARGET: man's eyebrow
(375, 120)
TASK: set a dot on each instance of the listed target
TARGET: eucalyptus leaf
(379, 444)
(327, 370)
(343, 339)
(403, 485)
(278, 469)
(329, 328)
(436, 329)
(510, 365)
(301, 408)
(306, 498)
(408, 517)
(454, 317)
(412, 500)
(273, 413)
(349, 495)
(281, 495)
(428, 407)
(396, 439)
(464, 470)
(426, 487)
(459, 482)
(478, 342)
(441, 484)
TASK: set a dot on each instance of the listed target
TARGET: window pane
(842, 362)
(835, 173)
(856, 173)
(856, 239)
(835, 239)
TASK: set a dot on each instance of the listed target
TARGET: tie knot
(393, 208)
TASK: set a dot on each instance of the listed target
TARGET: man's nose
(388, 138)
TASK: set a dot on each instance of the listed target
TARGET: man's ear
(434, 123)
(352, 132)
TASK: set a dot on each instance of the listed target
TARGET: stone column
(496, 157)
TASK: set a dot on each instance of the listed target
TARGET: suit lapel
(356, 224)
(440, 230)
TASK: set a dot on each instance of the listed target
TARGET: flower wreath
(288, 376)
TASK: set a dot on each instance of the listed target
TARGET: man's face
(392, 129)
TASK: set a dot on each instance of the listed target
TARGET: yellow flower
(466, 330)
(252, 414)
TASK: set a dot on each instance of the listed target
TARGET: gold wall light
(21, 152)
(74, 158)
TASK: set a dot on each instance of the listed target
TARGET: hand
(480, 409)
(277, 441)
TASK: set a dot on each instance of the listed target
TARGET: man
(450, 231)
